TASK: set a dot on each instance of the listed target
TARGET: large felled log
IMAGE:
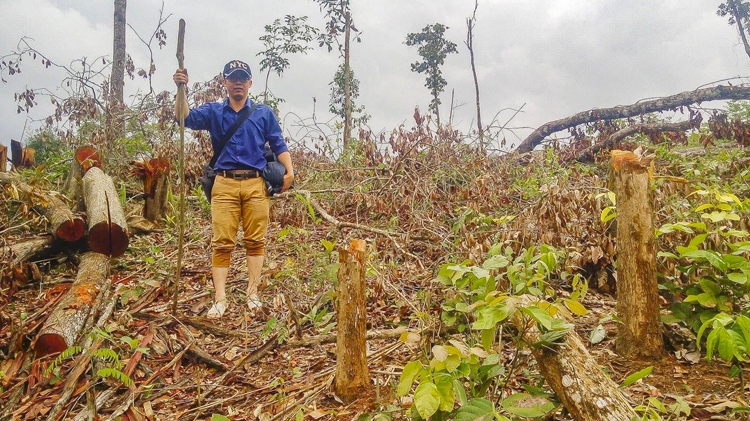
(108, 229)
(640, 332)
(351, 347)
(63, 223)
(575, 376)
(64, 324)
(661, 104)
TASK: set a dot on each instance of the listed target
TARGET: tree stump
(85, 157)
(108, 229)
(575, 376)
(63, 224)
(66, 322)
(351, 345)
(154, 174)
(639, 334)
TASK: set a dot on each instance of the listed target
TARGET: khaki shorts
(231, 201)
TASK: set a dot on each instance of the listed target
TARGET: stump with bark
(351, 346)
(155, 176)
(108, 229)
(67, 320)
(640, 333)
(3, 158)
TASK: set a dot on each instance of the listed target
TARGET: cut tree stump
(21, 157)
(108, 229)
(63, 224)
(352, 376)
(85, 157)
(575, 376)
(66, 322)
(155, 176)
(640, 333)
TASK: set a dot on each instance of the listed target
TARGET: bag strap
(244, 115)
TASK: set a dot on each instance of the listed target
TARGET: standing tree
(337, 98)
(470, 23)
(739, 14)
(115, 125)
(340, 21)
(433, 48)
(280, 40)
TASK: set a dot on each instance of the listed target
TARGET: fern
(115, 374)
(109, 356)
(68, 353)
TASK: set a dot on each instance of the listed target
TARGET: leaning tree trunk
(351, 346)
(639, 334)
(575, 376)
(662, 104)
(108, 229)
(66, 322)
(63, 224)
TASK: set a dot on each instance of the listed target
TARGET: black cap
(236, 66)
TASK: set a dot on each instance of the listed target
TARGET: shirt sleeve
(199, 118)
(274, 137)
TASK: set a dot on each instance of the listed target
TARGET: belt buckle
(238, 176)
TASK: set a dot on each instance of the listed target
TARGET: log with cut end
(585, 390)
(63, 224)
(67, 320)
(108, 229)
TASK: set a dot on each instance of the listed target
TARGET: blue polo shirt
(246, 148)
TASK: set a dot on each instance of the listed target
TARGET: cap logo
(237, 64)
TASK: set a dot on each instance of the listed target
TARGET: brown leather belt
(239, 174)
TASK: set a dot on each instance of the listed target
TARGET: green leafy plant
(714, 263)
(479, 300)
(729, 338)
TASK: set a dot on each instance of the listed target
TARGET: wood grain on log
(65, 323)
(108, 229)
(720, 92)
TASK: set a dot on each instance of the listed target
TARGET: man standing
(239, 192)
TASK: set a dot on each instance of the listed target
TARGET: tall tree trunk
(347, 84)
(116, 125)
(740, 28)
(639, 334)
(470, 46)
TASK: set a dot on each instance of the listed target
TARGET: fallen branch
(588, 154)
(342, 224)
(720, 92)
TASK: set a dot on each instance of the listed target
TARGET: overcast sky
(557, 57)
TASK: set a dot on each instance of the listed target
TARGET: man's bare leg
(220, 281)
(254, 269)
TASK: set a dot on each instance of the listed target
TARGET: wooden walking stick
(180, 115)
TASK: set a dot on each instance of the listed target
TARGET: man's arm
(286, 159)
(180, 77)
